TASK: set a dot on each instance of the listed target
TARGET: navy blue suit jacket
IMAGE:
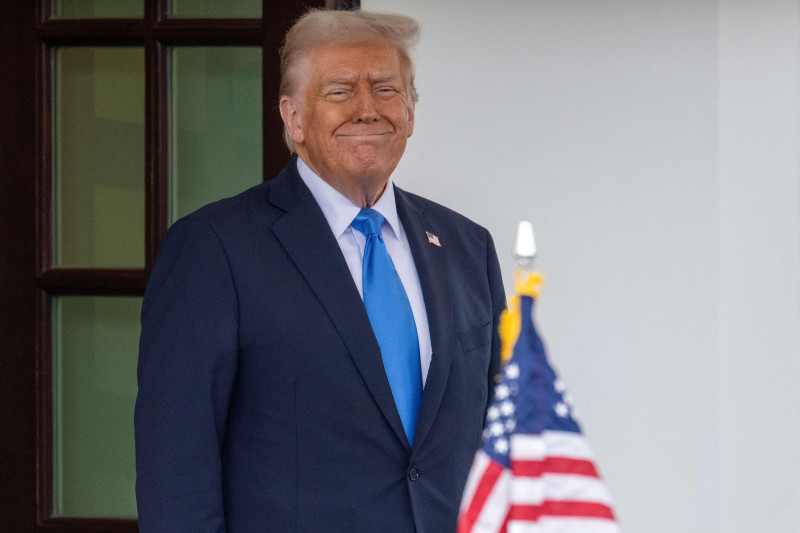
(263, 405)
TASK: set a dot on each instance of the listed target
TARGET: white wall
(759, 400)
(654, 145)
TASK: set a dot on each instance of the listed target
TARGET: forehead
(372, 59)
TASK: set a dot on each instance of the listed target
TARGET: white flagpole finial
(524, 245)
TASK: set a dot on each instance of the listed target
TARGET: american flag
(534, 472)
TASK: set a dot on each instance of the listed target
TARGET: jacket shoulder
(254, 199)
(441, 215)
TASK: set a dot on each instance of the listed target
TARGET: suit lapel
(307, 238)
(431, 263)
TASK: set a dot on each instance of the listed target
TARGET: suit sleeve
(187, 364)
(498, 295)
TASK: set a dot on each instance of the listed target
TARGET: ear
(292, 118)
(410, 110)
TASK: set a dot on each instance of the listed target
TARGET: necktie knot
(368, 222)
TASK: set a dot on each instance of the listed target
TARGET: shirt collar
(339, 211)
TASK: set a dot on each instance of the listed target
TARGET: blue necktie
(392, 320)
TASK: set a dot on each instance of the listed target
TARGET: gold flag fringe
(525, 284)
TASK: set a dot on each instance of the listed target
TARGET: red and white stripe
(552, 487)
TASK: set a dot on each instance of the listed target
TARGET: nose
(364, 107)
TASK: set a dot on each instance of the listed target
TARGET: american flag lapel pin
(433, 239)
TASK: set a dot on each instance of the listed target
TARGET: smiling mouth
(365, 135)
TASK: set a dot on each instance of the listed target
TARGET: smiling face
(351, 123)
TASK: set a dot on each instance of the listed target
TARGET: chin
(371, 168)
(369, 174)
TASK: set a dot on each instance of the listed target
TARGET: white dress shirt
(340, 212)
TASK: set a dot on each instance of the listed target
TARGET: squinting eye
(338, 94)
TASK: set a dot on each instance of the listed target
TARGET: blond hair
(317, 28)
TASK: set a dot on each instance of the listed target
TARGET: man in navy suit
(268, 397)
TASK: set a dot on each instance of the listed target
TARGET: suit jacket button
(413, 473)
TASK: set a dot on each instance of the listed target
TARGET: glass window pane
(215, 8)
(215, 125)
(84, 9)
(98, 157)
(95, 348)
